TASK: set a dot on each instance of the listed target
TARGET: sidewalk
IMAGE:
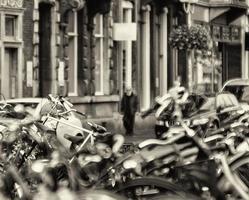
(140, 136)
(144, 128)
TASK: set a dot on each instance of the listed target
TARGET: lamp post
(188, 6)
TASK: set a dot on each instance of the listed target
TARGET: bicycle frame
(90, 134)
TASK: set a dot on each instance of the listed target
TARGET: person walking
(129, 106)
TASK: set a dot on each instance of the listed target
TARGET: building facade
(90, 49)
(60, 47)
(226, 23)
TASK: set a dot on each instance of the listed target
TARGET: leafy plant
(194, 38)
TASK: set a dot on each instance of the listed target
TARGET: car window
(194, 102)
(237, 90)
(245, 96)
(209, 105)
(224, 100)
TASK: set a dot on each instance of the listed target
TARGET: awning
(232, 9)
(231, 13)
(216, 12)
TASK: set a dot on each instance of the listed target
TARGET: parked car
(30, 105)
(238, 87)
(214, 111)
(13, 111)
(219, 110)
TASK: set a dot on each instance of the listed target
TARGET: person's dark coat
(129, 105)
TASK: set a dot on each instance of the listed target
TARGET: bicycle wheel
(148, 188)
(183, 196)
(99, 194)
(240, 169)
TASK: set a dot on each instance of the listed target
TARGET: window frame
(100, 36)
(74, 36)
(17, 27)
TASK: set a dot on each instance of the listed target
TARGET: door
(231, 61)
(9, 70)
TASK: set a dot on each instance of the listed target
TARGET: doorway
(10, 78)
(231, 61)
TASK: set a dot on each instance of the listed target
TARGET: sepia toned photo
(124, 99)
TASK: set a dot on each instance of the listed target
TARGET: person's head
(128, 90)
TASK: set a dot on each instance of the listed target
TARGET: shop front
(223, 60)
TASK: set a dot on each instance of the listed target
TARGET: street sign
(125, 31)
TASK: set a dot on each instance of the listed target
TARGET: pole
(189, 58)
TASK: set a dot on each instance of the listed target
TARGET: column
(245, 54)
(145, 59)
(54, 61)
(2, 61)
(36, 18)
(128, 46)
(189, 58)
(163, 61)
(175, 54)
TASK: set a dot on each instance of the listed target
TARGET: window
(73, 53)
(10, 25)
(99, 65)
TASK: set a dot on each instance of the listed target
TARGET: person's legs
(126, 124)
(132, 122)
(129, 124)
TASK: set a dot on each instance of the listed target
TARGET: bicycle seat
(97, 128)
(44, 128)
(74, 139)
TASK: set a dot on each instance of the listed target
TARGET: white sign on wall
(125, 31)
(61, 74)
(29, 78)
